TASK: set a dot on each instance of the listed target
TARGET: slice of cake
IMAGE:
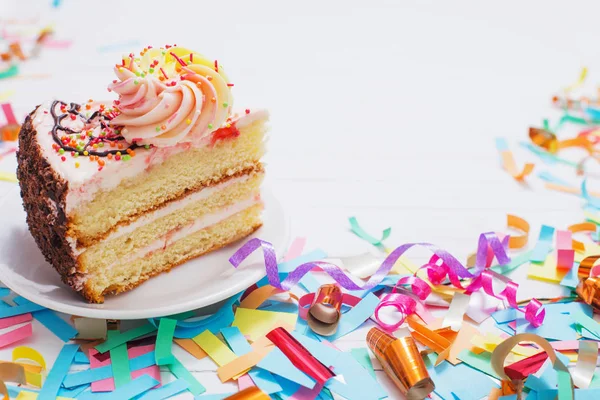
(116, 193)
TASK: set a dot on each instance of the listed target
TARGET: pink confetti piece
(565, 255)
(295, 249)
(16, 335)
(108, 385)
(244, 382)
(17, 319)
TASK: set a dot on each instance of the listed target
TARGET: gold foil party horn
(325, 311)
(589, 286)
(251, 393)
(402, 362)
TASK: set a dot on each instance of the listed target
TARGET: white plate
(197, 283)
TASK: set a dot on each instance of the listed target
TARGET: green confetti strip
(119, 361)
(164, 341)
(360, 232)
(124, 337)
(181, 372)
(362, 356)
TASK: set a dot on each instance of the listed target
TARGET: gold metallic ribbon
(402, 362)
(326, 309)
(589, 286)
(251, 393)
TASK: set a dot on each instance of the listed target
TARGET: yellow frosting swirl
(170, 95)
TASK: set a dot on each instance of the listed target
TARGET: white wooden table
(386, 110)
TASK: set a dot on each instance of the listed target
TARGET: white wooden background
(386, 110)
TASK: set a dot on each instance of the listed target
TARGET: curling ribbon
(441, 264)
(508, 161)
(565, 383)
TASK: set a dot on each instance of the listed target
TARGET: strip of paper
(362, 356)
(240, 346)
(129, 390)
(216, 349)
(119, 361)
(12, 321)
(361, 233)
(543, 245)
(16, 335)
(164, 341)
(295, 249)
(141, 361)
(32, 374)
(59, 371)
(181, 372)
(586, 364)
(166, 391)
(19, 310)
(456, 311)
(517, 223)
(243, 363)
(58, 326)
(565, 255)
(125, 337)
(508, 161)
(581, 227)
(94, 375)
(191, 347)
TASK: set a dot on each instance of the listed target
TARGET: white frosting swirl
(170, 96)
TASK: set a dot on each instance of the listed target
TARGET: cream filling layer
(201, 223)
(164, 211)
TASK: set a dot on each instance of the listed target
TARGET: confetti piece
(11, 71)
(125, 337)
(90, 328)
(586, 322)
(17, 319)
(164, 340)
(94, 375)
(361, 233)
(243, 363)
(19, 310)
(257, 323)
(119, 360)
(191, 347)
(58, 372)
(10, 372)
(262, 378)
(362, 356)
(32, 372)
(137, 364)
(130, 390)
(295, 249)
(26, 395)
(543, 245)
(518, 223)
(15, 335)
(181, 372)
(456, 311)
(166, 391)
(579, 82)
(581, 227)
(546, 271)
(58, 326)
(216, 349)
(586, 364)
(5, 95)
(565, 255)
(214, 323)
(508, 161)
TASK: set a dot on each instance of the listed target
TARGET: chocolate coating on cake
(44, 193)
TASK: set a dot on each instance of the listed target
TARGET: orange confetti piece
(518, 223)
(581, 227)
